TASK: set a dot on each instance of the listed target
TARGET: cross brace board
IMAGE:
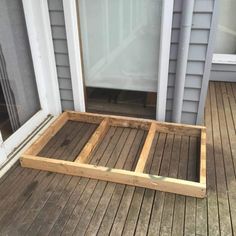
(80, 166)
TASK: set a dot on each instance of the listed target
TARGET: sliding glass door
(120, 47)
(20, 107)
(18, 90)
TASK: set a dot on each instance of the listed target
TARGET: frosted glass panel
(226, 29)
(120, 41)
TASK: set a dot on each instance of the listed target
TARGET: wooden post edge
(95, 139)
(202, 168)
(160, 183)
(146, 149)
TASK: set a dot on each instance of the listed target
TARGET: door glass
(19, 99)
(120, 47)
(226, 28)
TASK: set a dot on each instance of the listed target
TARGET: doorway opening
(120, 42)
(121, 102)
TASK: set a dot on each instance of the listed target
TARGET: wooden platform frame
(79, 166)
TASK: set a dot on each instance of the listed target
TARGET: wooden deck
(42, 203)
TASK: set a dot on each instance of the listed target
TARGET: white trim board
(165, 43)
(223, 72)
(73, 43)
(229, 59)
(38, 25)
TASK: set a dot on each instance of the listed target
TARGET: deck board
(37, 202)
(179, 209)
(116, 210)
(49, 184)
(58, 198)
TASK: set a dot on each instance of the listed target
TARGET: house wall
(61, 53)
(197, 58)
(197, 62)
(223, 72)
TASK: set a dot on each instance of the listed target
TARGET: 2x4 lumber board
(163, 127)
(203, 157)
(96, 138)
(38, 145)
(114, 120)
(155, 182)
(146, 149)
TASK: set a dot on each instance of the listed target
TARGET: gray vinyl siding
(201, 25)
(200, 32)
(61, 52)
(223, 72)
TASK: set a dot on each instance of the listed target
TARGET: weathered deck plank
(95, 188)
(169, 203)
(179, 210)
(158, 202)
(57, 200)
(116, 212)
(224, 210)
(136, 203)
(212, 200)
(49, 149)
(227, 156)
(36, 202)
(119, 162)
(50, 182)
(69, 207)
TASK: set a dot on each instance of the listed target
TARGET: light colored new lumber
(47, 135)
(203, 157)
(146, 149)
(114, 120)
(164, 127)
(155, 182)
(97, 136)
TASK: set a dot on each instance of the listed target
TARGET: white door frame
(72, 33)
(164, 57)
(75, 60)
(41, 45)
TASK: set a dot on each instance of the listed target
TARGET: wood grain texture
(137, 123)
(146, 149)
(97, 137)
(115, 175)
(47, 135)
(202, 173)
